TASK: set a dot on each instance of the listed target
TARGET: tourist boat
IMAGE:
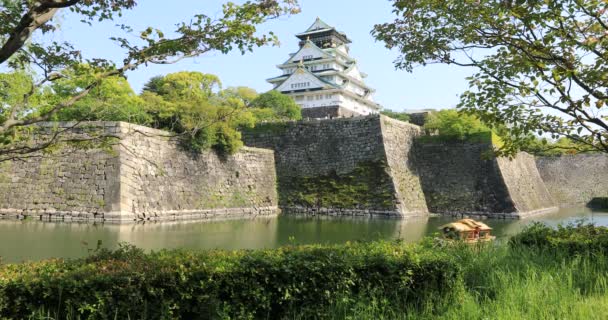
(467, 230)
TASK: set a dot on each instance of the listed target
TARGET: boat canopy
(466, 225)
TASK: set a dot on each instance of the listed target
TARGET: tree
(112, 100)
(234, 29)
(540, 66)
(274, 105)
(453, 124)
(242, 95)
(190, 105)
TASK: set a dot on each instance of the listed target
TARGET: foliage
(506, 283)
(184, 85)
(452, 123)
(28, 41)
(366, 187)
(402, 116)
(220, 284)
(244, 95)
(543, 273)
(188, 104)
(274, 105)
(540, 65)
(563, 146)
(112, 100)
(573, 238)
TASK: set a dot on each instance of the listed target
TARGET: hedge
(571, 239)
(268, 284)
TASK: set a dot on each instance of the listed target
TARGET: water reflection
(33, 240)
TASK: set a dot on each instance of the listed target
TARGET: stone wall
(526, 189)
(347, 166)
(398, 139)
(145, 174)
(71, 181)
(160, 180)
(462, 178)
(327, 112)
(575, 180)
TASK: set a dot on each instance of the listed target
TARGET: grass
(507, 283)
(499, 281)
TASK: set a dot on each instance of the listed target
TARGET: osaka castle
(323, 78)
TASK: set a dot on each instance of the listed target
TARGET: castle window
(307, 57)
(300, 85)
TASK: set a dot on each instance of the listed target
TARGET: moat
(34, 240)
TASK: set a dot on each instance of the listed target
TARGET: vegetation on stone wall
(402, 116)
(479, 137)
(562, 146)
(453, 124)
(368, 186)
(190, 104)
(273, 128)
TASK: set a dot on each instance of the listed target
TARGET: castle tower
(323, 78)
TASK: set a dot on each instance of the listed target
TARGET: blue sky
(435, 86)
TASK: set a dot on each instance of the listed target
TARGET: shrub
(453, 123)
(571, 239)
(129, 283)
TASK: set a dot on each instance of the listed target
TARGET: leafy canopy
(189, 104)
(451, 123)
(541, 66)
(274, 105)
(28, 41)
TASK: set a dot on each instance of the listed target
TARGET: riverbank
(542, 273)
(33, 240)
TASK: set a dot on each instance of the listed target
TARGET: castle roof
(318, 27)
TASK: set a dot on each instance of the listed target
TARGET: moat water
(35, 240)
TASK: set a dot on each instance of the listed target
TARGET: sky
(436, 86)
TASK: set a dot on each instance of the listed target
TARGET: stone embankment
(374, 166)
(359, 166)
(463, 178)
(575, 180)
(348, 166)
(144, 174)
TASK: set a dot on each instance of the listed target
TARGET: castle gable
(319, 25)
(302, 79)
(309, 51)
